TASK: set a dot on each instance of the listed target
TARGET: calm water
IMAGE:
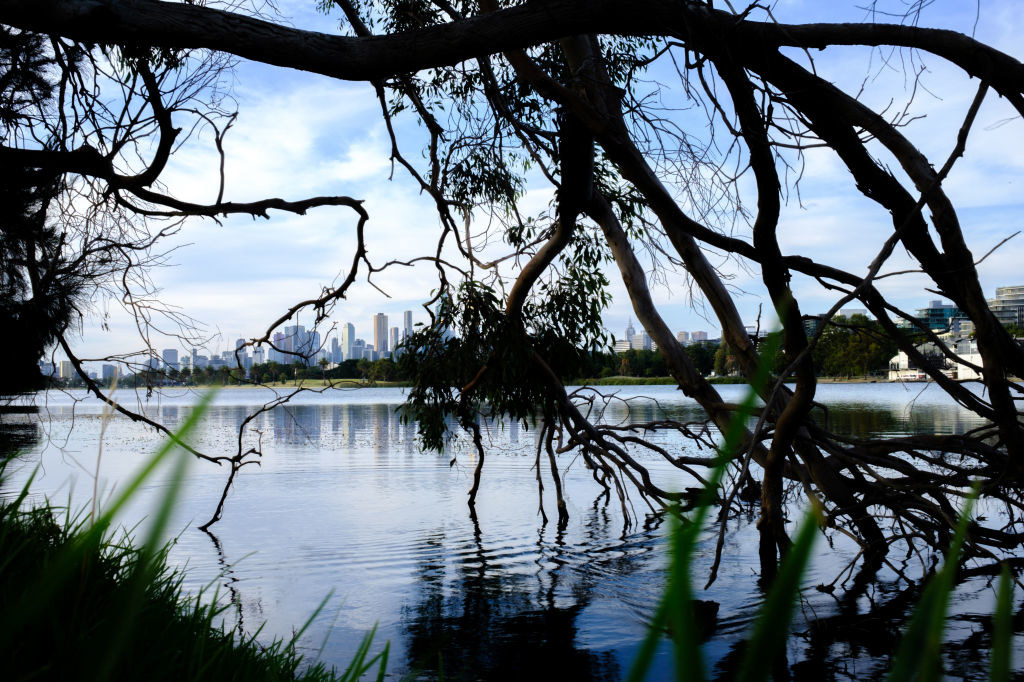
(345, 504)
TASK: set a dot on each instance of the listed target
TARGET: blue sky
(301, 135)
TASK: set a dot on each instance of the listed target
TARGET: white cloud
(301, 135)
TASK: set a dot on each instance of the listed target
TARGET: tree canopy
(559, 92)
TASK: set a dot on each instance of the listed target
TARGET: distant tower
(406, 324)
(348, 337)
(630, 332)
(380, 332)
(170, 356)
(394, 339)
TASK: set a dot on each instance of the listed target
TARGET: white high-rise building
(348, 337)
(394, 339)
(683, 337)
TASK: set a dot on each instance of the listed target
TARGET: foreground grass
(80, 603)
(76, 627)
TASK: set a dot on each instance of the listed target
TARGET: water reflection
(345, 500)
(477, 620)
(18, 435)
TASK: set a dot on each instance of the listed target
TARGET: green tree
(512, 95)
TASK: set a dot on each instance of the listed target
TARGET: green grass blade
(919, 656)
(771, 629)
(148, 563)
(168, 446)
(675, 611)
(1002, 630)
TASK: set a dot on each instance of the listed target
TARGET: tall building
(630, 332)
(406, 324)
(170, 358)
(65, 370)
(275, 354)
(348, 338)
(394, 339)
(109, 372)
(697, 337)
(380, 332)
(683, 337)
(300, 345)
(335, 350)
(1008, 305)
(313, 349)
(938, 314)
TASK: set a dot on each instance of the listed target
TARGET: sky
(300, 135)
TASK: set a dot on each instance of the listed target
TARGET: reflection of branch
(228, 571)
(95, 389)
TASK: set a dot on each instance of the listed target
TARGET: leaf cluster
(474, 358)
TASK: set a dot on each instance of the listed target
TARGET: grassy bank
(75, 610)
(81, 601)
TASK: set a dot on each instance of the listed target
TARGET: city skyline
(238, 277)
(341, 341)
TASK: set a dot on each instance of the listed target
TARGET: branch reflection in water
(344, 499)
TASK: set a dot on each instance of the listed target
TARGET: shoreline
(318, 384)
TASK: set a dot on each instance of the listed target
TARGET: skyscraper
(348, 337)
(394, 339)
(170, 357)
(380, 332)
(406, 324)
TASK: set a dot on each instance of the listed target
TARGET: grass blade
(675, 611)
(920, 652)
(1002, 630)
(772, 627)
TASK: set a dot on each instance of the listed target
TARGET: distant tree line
(848, 347)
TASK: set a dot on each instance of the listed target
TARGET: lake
(344, 505)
